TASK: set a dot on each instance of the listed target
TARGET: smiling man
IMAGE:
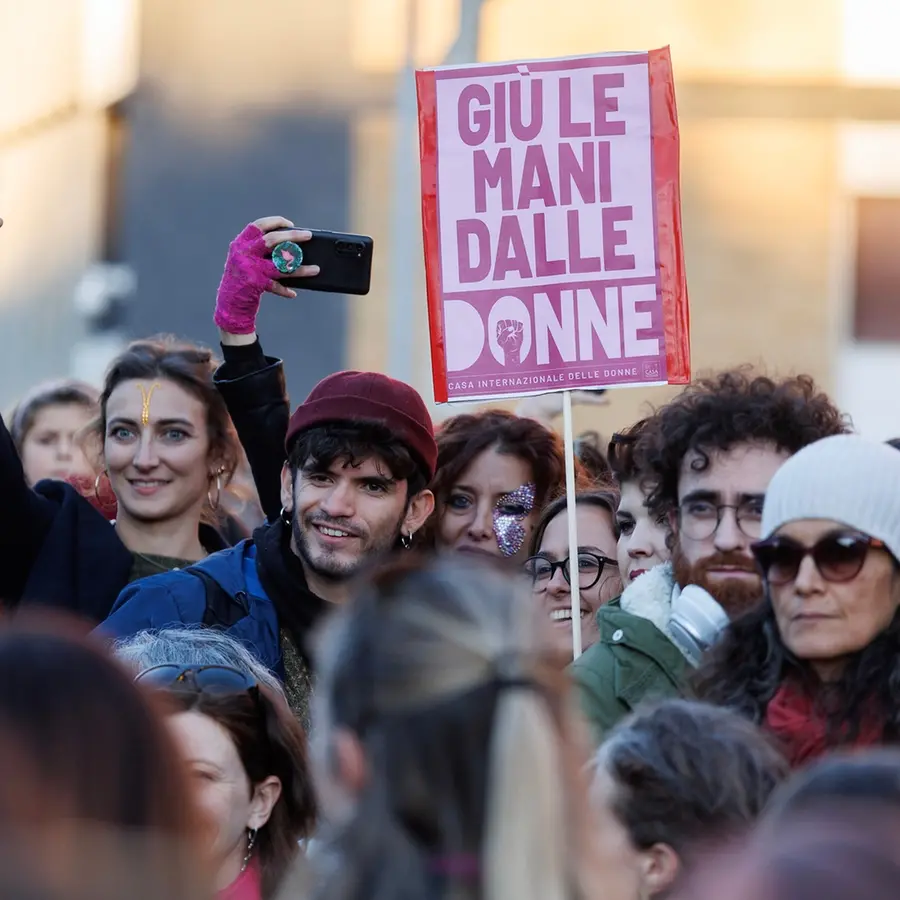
(360, 453)
(707, 458)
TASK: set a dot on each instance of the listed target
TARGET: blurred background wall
(137, 138)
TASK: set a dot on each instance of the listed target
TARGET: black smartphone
(344, 261)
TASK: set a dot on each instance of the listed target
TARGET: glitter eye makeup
(508, 525)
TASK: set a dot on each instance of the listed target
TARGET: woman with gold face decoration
(168, 452)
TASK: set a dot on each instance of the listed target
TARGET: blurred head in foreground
(833, 854)
(681, 777)
(443, 746)
(90, 773)
(849, 779)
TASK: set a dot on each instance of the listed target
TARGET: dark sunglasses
(216, 680)
(838, 557)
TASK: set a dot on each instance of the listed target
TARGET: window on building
(877, 303)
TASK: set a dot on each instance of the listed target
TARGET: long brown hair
(88, 762)
(269, 741)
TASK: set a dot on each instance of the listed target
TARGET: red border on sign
(427, 96)
(669, 242)
(667, 199)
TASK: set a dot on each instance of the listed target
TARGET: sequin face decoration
(287, 257)
(146, 394)
(509, 512)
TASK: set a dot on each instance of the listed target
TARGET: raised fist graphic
(510, 333)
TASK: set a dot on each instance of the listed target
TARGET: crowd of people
(255, 653)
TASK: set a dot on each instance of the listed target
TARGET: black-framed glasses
(838, 557)
(700, 519)
(215, 680)
(590, 568)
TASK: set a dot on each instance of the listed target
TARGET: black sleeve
(25, 520)
(255, 393)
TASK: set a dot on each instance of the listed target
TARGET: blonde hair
(441, 672)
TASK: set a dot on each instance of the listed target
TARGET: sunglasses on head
(214, 680)
(838, 557)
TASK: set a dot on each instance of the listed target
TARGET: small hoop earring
(215, 506)
(97, 489)
(406, 540)
(285, 516)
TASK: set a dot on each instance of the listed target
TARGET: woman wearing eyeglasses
(550, 566)
(246, 754)
(818, 663)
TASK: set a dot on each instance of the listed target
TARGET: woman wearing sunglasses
(550, 566)
(818, 664)
(247, 757)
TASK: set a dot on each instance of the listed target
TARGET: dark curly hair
(463, 438)
(749, 662)
(731, 408)
(621, 452)
(317, 448)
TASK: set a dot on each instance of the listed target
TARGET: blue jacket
(179, 598)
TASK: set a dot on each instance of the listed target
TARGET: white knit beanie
(846, 478)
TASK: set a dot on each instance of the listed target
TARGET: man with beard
(704, 461)
(361, 452)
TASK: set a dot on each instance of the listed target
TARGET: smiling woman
(817, 663)
(169, 451)
(550, 565)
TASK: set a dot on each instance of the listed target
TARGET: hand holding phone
(344, 263)
(249, 273)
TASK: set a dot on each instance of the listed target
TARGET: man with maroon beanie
(360, 454)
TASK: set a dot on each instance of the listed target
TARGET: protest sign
(552, 226)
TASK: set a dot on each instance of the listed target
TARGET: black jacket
(254, 391)
(56, 550)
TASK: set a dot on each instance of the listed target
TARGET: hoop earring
(215, 506)
(406, 540)
(285, 516)
(97, 489)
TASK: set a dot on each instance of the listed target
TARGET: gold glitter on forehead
(145, 400)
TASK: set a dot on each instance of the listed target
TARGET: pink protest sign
(552, 224)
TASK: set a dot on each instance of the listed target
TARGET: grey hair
(192, 647)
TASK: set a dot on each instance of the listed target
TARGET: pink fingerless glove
(248, 274)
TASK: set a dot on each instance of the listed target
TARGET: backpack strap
(222, 609)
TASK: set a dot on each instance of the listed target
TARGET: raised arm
(251, 383)
(25, 520)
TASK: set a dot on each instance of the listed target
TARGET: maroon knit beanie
(370, 396)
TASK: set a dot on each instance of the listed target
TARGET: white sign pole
(569, 440)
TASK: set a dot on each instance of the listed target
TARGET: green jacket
(633, 660)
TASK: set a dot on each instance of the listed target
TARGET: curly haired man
(706, 460)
